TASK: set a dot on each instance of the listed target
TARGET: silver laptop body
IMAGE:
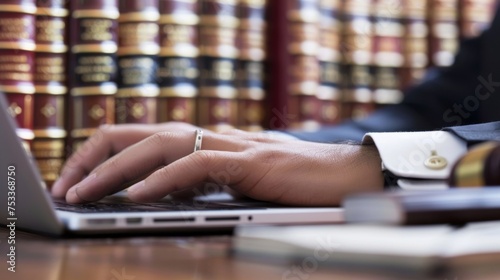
(26, 204)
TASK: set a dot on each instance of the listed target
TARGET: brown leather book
(50, 80)
(178, 68)
(217, 105)
(475, 16)
(93, 46)
(444, 32)
(329, 91)
(137, 60)
(294, 69)
(358, 95)
(17, 45)
(251, 40)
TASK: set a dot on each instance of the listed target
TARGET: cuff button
(435, 162)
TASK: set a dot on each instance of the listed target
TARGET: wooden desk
(150, 258)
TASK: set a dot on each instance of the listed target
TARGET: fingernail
(134, 188)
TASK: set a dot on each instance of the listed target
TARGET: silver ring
(198, 139)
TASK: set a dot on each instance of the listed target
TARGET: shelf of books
(68, 67)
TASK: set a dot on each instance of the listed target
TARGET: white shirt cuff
(409, 155)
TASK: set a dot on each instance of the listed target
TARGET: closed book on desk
(409, 252)
(453, 206)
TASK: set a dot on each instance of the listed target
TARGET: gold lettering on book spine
(176, 34)
(14, 29)
(96, 112)
(96, 30)
(15, 109)
(220, 70)
(95, 68)
(48, 110)
(50, 30)
(137, 33)
(138, 111)
(178, 67)
(50, 69)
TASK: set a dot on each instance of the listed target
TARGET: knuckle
(233, 131)
(102, 133)
(160, 138)
(165, 175)
(203, 158)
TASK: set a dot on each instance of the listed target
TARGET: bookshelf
(68, 67)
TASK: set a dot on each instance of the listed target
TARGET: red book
(217, 106)
(138, 50)
(17, 45)
(475, 16)
(178, 70)
(251, 40)
(329, 91)
(444, 31)
(294, 68)
(93, 46)
(50, 84)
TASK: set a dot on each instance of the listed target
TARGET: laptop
(26, 204)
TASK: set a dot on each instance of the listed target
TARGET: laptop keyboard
(119, 204)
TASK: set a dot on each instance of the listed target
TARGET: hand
(255, 164)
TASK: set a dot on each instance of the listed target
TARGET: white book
(426, 250)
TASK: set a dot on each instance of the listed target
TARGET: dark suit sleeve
(435, 103)
(477, 133)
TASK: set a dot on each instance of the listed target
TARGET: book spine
(250, 74)
(444, 31)
(217, 105)
(277, 64)
(138, 49)
(93, 49)
(357, 53)
(475, 16)
(303, 47)
(50, 83)
(358, 94)
(178, 69)
(329, 93)
(388, 57)
(415, 42)
(17, 45)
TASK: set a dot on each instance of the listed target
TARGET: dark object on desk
(453, 206)
(479, 167)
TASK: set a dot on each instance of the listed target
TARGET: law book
(178, 65)
(418, 252)
(93, 47)
(444, 32)
(217, 103)
(475, 16)
(452, 206)
(17, 46)
(329, 57)
(415, 44)
(49, 125)
(137, 62)
(388, 57)
(251, 84)
(304, 69)
(358, 56)
(357, 91)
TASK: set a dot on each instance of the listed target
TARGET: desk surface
(149, 258)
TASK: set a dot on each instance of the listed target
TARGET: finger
(107, 140)
(217, 167)
(140, 159)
